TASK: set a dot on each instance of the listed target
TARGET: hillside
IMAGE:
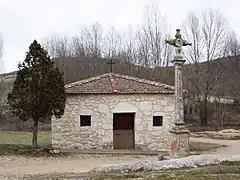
(75, 69)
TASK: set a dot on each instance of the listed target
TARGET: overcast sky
(22, 21)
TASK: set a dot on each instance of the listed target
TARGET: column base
(179, 141)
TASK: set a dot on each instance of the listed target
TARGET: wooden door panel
(123, 139)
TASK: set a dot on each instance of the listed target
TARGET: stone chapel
(113, 111)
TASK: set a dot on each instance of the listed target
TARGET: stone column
(179, 109)
(179, 140)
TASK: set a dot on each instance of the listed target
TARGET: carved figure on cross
(178, 42)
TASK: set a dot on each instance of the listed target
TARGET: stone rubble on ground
(162, 157)
(186, 162)
(54, 151)
(229, 131)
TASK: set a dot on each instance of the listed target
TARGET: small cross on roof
(111, 62)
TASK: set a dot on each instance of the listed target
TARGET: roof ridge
(108, 83)
(113, 83)
(145, 81)
(141, 80)
(94, 78)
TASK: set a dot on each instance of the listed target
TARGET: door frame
(134, 115)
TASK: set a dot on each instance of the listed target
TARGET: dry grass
(217, 135)
(19, 143)
(24, 138)
(200, 147)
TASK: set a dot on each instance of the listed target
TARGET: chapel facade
(114, 111)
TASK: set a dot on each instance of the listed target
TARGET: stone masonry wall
(68, 134)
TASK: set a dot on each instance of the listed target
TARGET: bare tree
(113, 49)
(112, 44)
(232, 52)
(2, 100)
(208, 35)
(232, 49)
(77, 47)
(129, 50)
(1, 52)
(57, 46)
(151, 36)
(151, 47)
(92, 39)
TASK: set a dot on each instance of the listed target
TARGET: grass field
(19, 143)
(24, 138)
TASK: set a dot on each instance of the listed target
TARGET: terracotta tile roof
(115, 83)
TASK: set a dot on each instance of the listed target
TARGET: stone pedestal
(179, 141)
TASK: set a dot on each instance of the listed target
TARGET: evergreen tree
(38, 91)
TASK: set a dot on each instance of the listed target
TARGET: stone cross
(111, 62)
(179, 141)
(178, 61)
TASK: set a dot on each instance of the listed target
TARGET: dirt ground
(19, 166)
(232, 148)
